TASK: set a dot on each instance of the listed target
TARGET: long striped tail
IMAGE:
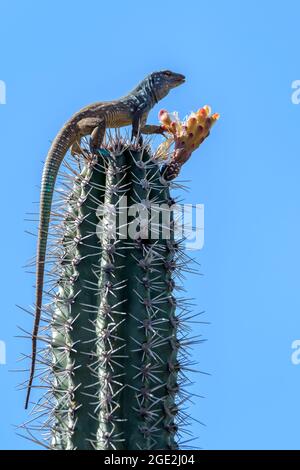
(56, 154)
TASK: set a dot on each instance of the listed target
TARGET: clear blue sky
(239, 57)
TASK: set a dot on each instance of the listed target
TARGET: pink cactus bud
(192, 121)
(173, 126)
(208, 122)
(202, 112)
(161, 112)
(164, 116)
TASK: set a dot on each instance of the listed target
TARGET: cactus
(118, 348)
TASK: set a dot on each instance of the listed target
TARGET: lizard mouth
(179, 79)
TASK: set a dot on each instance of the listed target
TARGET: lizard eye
(167, 73)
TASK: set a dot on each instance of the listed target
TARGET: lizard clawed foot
(76, 149)
(162, 131)
(88, 156)
(137, 138)
(93, 149)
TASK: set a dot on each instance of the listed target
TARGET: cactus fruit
(117, 349)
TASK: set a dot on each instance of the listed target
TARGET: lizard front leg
(139, 127)
(137, 123)
(152, 129)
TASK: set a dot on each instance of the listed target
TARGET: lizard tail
(56, 154)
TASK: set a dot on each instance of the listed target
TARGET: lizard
(92, 120)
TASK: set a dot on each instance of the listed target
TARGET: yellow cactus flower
(187, 135)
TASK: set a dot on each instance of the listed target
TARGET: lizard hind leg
(76, 149)
(95, 127)
(97, 136)
(136, 129)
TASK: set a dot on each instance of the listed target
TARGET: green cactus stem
(115, 346)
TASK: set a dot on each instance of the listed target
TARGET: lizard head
(162, 82)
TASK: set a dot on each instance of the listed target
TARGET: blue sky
(239, 57)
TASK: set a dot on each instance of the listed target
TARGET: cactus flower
(187, 136)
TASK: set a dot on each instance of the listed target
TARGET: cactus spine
(115, 349)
